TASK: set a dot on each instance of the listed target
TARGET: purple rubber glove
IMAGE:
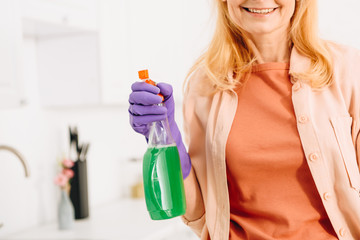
(144, 110)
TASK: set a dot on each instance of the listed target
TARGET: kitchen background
(71, 63)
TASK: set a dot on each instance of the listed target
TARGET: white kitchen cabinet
(68, 70)
(57, 17)
(89, 52)
(11, 94)
(66, 35)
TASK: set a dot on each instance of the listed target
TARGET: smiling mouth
(260, 11)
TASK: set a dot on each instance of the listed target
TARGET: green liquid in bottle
(163, 182)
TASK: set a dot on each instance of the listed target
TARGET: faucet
(20, 157)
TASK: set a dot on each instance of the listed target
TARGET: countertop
(123, 220)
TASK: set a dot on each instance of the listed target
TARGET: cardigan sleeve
(354, 70)
(354, 109)
(355, 132)
(195, 140)
(197, 225)
(346, 64)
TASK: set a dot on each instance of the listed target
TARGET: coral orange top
(272, 192)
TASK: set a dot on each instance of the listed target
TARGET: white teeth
(261, 11)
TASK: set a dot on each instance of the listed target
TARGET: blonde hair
(229, 51)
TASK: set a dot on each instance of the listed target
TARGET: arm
(195, 138)
(143, 110)
(195, 211)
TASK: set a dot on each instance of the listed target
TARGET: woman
(272, 118)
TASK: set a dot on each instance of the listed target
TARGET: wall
(338, 21)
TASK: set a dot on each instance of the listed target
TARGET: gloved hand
(144, 110)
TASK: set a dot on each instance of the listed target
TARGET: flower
(62, 179)
(68, 173)
(67, 163)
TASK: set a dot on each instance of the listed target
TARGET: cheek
(287, 14)
(291, 10)
(235, 14)
(288, 6)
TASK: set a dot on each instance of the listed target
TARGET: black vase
(79, 190)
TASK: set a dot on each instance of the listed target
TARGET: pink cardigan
(328, 125)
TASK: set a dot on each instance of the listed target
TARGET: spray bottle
(162, 175)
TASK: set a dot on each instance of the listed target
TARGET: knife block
(79, 190)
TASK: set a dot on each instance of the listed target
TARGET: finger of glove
(142, 130)
(144, 98)
(165, 89)
(144, 87)
(140, 110)
(137, 121)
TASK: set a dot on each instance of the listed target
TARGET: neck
(270, 47)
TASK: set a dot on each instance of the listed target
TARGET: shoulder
(346, 71)
(198, 83)
(198, 89)
(197, 96)
(346, 63)
(339, 49)
(343, 55)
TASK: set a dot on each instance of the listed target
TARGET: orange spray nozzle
(144, 76)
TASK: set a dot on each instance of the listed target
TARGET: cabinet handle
(65, 19)
(23, 102)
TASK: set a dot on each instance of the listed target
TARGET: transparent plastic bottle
(162, 175)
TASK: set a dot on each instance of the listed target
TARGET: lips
(260, 10)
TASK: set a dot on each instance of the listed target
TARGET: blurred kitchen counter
(124, 220)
